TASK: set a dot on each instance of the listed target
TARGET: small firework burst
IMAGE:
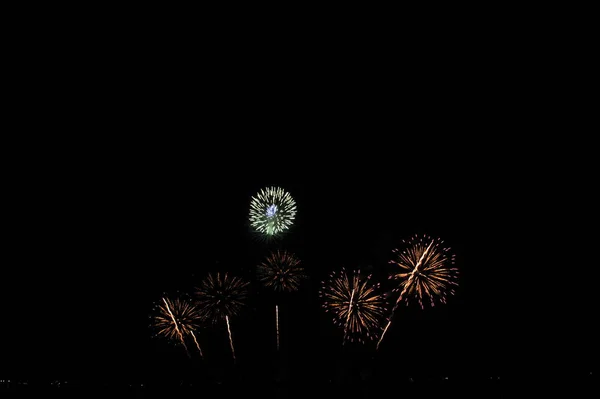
(272, 211)
(176, 319)
(220, 295)
(426, 270)
(281, 271)
(355, 303)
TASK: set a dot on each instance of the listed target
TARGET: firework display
(426, 272)
(281, 271)
(355, 304)
(221, 296)
(272, 211)
(175, 319)
(422, 272)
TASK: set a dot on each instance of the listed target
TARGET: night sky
(133, 165)
(99, 242)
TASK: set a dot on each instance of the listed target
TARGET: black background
(150, 190)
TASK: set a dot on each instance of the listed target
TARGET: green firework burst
(272, 211)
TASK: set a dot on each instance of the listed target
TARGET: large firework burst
(176, 319)
(272, 211)
(281, 271)
(355, 303)
(426, 272)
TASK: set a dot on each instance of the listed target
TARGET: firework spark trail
(348, 317)
(410, 278)
(197, 345)
(221, 296)
(230, 339)
(428, 277)
(281, 271)
(175, 319)
(277, 324)
(392, 315)
(176, 327)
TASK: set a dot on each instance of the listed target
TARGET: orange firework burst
(355, 303)
(281, 271)
(427, 272)
(176, 319)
